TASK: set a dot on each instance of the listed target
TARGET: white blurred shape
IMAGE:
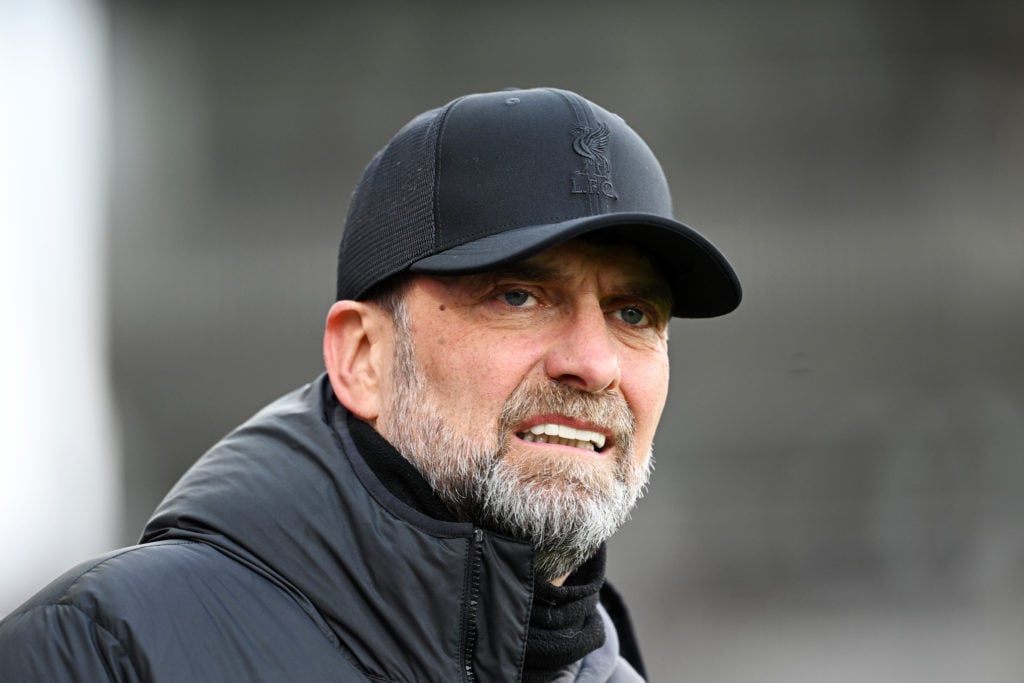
(59, 492)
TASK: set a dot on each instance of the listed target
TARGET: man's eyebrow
(528, 272)
(523, 271)
(651, 291)
(642, 289)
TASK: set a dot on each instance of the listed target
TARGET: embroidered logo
(596, 177)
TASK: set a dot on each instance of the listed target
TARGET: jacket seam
(125, 648)
(91, 619)
(64, 599)
(93, 567)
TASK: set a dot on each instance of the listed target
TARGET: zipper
(472, 603)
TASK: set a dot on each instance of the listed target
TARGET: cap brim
(703, 282)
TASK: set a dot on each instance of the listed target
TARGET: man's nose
(584, 354)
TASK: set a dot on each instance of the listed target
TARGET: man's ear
(357, 348)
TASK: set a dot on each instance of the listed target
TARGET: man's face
(529, 396)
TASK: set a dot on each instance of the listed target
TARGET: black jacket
(281, 557)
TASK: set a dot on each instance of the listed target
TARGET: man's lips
(563, 435)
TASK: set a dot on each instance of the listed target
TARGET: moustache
(608, 411)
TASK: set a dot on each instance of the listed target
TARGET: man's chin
(554, 464)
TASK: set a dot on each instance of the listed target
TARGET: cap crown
(488, 163)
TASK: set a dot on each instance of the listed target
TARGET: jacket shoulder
(62, 633)
(174, 610)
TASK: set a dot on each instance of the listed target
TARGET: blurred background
(839, 493)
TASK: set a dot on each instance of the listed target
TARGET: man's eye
(633, 316)
(516, 297)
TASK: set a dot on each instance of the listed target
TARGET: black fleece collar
(399, 475)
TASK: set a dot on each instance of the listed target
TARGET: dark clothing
(281, 556)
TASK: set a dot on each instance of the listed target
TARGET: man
(435, 507)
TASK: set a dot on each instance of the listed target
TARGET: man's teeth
(564, 435)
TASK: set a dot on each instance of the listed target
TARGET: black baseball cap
(493, 178)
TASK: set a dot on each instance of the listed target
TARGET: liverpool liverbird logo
(592, 145)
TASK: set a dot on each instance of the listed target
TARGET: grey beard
(565, 507)
(564, 517)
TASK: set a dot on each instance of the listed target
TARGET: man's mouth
(563, 435)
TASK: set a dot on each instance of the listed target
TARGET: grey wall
(839, 485)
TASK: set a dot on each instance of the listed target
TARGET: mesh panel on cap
(390, 220)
